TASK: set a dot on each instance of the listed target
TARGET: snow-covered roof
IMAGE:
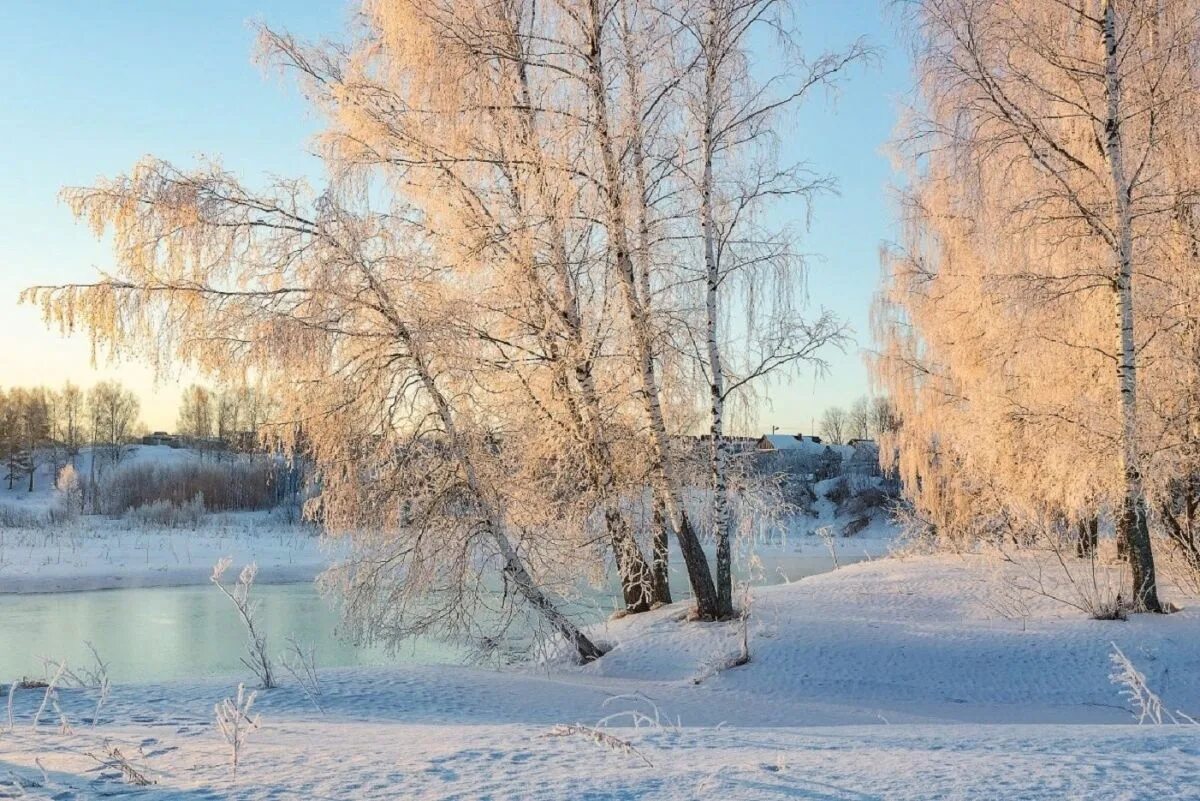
(790, 442)
(782, 442)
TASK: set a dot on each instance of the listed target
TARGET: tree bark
(1132, 528)
(1088, 538)
(699, 574)
(719, 448)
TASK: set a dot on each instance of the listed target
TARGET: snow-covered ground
(99, 553)
(890, 679)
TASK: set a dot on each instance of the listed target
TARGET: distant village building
(700, 444)
(786, 442)
(864, 461)
(161, 438)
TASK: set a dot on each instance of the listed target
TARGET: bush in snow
(242, 484)
(839, 492)
(235, 724)
(68, 505)
(1147, 707)
(167, 514)
(301, 662)
(257, 659)
(16, 517)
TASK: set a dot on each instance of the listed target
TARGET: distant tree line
(40, 426)
(224, 419)
(867, 418)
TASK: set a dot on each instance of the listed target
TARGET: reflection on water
(156, 634)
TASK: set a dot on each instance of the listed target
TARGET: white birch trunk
(693, 554)
(1132, 528)
(719, 450)
(660, 553)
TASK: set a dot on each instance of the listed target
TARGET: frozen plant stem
(235, 724)
(258, 661)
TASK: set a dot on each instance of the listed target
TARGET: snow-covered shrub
(1145, 704)
(17, 517)
(234, 485)
(600, 738)
(856, 524)
(839, 492)
(168, 514)
(865, 501)
(132, 774)
(257, 658)
(68, 504)
(1095, 584)
(300, 661)
(1177, 554)
(235, 724)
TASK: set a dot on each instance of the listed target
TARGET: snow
(899, 677)
(102, 553)
(895, 678)
(790, 442)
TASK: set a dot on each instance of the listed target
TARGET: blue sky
(89, 88)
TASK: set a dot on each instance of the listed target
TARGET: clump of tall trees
(867, 418)
(47, 428)
(229, 418)
(541, 255)
(1038, 320)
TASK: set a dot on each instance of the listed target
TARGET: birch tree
(1026, 301)
(70, 409)
(492, 162)
(352, 327)
(735, 176)
(113, 411)
(195, 419)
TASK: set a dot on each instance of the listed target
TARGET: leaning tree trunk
(1132, 527)
(699, 574)
(632, 569)
(514, 568)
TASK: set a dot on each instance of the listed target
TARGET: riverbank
(98, 553)
(896, 679)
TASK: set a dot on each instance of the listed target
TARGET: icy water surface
(158, 634)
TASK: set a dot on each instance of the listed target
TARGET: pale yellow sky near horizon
(38, 355)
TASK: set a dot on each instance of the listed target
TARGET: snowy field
(890, 679)
(101, 554)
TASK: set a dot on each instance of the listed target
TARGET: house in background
(864, 461)
(161, 438)
(786, 442)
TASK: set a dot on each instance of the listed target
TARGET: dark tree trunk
(637, 583)
(1089, 536)
(661, 557)
(1132, 527)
